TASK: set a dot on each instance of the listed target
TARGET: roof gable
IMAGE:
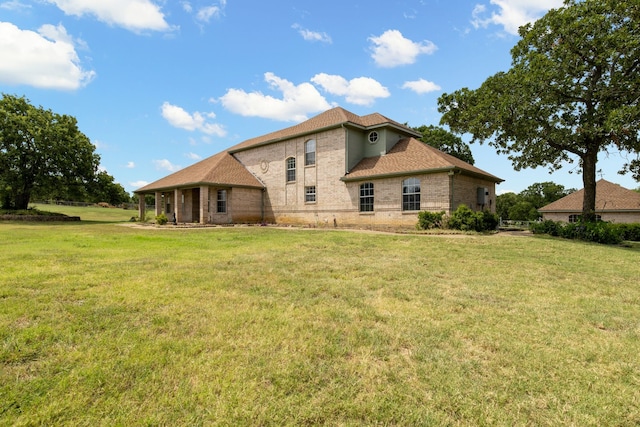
(609, 197)
(409, 155)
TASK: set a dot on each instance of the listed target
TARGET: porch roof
(221, 169)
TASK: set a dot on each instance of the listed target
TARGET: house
(614, 203)
(336, 168)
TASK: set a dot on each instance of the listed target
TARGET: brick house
(614, 203)
(336, 168)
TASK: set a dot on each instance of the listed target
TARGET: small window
(411, 194)
(366, 197)
(373, 137)
(291, 169)
(310, 152)
(222, 201)
(310, 194)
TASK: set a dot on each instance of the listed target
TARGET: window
(310, 152)
(222, 201)
(310, 194)
(373, 137)
(366, 197)
(291, 169)
(411, 194)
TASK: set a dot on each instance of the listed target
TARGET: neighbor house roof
(410, 156)
(609, 197)
(332, 118)
(221, 169)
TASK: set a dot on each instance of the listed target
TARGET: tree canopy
(41, 152)
(446, 142)
(524, 205)
(572, 93)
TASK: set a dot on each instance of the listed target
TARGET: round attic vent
(373, 137)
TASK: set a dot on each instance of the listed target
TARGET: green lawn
(91, 213)
(103, 324)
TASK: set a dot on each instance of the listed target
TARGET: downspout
(262, 206)
(451, 183)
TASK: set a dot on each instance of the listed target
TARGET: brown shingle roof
(330, 118)
(220, 169)
(609, 197)
(412, 156)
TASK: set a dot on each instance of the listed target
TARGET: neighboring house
(613, 203)
(337, 168)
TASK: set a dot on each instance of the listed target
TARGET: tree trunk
(22, 200)
(589, 162)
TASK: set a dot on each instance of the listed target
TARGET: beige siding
(617, 217)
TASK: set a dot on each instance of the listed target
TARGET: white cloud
(134, 15)
(312, 36)
(392, 49)
(359, 91)
(138, 184)
(14, 5)
(421, 86)
(192, 156)
(178, 117)
(165, 164)
(206, 13)
(130, 165)
(295, 104)
(512, 14)
(46, 59)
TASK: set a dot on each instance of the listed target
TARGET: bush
(428, 220)
(161, 219)
(549, 227)
(597, 232)
(466, 219)
(629, 232)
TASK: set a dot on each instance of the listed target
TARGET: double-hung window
(291, 169)
(411, 194)
(221, 206)
(310, 152)
(310, 194)
(366, 197)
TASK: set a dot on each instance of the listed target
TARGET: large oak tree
(572, 93)
(40, 151)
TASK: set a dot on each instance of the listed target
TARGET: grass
(103, 324)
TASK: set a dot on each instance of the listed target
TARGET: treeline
(524, 205)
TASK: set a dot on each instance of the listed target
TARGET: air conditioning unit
(483, 196)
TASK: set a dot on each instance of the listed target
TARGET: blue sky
(159, 84)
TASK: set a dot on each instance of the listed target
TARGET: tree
(445, 141)
(542, 193)
(572, 92)
(40, 151)
(105, 189)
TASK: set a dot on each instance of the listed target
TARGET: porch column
(204, 204)
(179, 206)
(159, 207)
(141, 212)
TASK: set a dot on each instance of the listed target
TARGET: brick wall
(338, 202)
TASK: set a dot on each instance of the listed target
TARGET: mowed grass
(102, 324)
(91, 213)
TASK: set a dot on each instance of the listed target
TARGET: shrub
(597, 232)
(428, 220)
(549, 227)
(466, 219)
(161, 219)
(629, 231)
